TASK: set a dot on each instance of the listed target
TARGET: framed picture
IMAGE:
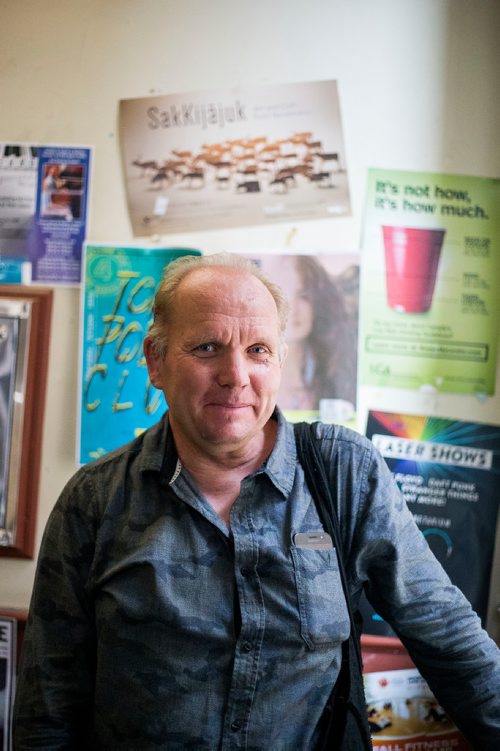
(25, 317)
(8, 649)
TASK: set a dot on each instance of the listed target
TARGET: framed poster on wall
(25, 315)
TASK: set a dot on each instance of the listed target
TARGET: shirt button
(245, 571)
(235, 726)
(246, 647)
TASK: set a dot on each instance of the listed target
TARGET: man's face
(222, 369)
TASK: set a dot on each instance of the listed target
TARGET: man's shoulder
(343, 436)
(106, 486)
(342, 447)
(145, 451)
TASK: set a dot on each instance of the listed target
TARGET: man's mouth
(229, 405)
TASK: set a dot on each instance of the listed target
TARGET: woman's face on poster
(285, 272)
(301, 313)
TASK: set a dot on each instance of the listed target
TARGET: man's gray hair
(175, 272)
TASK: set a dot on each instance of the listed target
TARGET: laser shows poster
(117, 401)
(430, 270)
(448, 472)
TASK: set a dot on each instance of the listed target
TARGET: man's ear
(153, 362)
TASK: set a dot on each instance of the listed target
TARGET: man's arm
(389, 556)
(443, 635)
(54, 697)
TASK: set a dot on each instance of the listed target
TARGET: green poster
(429, 315)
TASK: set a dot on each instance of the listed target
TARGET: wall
(418, 91)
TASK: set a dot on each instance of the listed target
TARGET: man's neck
(218, 472)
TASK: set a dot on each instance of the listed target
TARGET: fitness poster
(404, 715)
(448, 472)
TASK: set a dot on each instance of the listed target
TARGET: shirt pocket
(324, 618)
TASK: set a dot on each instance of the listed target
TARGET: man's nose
(233, 370)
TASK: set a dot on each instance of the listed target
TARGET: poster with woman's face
(320, 370)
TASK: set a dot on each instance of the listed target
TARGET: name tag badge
(313, 540)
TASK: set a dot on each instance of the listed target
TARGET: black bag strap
(315, 474)
(348, 693)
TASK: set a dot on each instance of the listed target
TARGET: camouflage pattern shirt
(154, 626)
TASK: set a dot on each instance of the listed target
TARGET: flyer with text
(404, 715)
(44, 192)
(117, 402)
(429, 317)
(56, 242)
(449, 473)
(18, 183)
(240, 156)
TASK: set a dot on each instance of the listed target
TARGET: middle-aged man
(175, 606)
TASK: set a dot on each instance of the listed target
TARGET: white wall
(418, 83)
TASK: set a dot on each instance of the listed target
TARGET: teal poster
(117, 402)
(448, 472)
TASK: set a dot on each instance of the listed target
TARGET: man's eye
(208, 347)
(258, 349)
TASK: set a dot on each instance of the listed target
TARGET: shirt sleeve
(409, 588)
(54, 697)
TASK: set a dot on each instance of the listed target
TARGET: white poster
(241, 156)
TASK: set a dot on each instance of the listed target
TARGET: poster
(8, 632)
(232, 157)
(117, 402)
(404, 715)
(319, 373)
(430, 273)
(43, 212)
(59, 230)
(18, 181)
(448, 472)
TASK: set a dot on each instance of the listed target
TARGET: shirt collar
(281, 463)
(160, 455)
(158, 452)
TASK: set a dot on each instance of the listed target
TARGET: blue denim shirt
(154, 626)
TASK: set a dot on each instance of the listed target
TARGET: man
(176, 605)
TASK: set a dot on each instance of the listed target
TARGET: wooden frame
(25, 317)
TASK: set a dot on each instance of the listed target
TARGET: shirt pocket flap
(324, 618)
